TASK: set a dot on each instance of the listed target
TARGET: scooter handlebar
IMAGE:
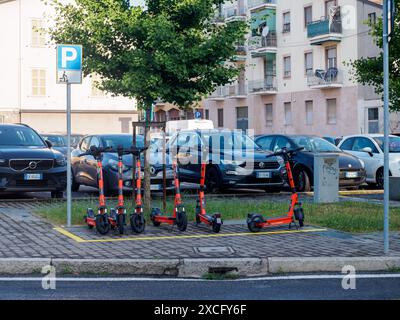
(285, 151)
(95, 151)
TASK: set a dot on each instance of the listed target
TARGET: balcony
(237, 91)
(241, 53)
(219, 94)
(325, 30)
(258, 4)
(265, 86)
(325, 79)
(235, 14)
(259, 45)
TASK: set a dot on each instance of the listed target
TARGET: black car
(28, 164)
(234, 160)
(84, 168)
(352, 171)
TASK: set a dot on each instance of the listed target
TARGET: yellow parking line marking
(69, 234)
(350, 192)
(219, 235)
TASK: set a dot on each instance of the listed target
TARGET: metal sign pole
(386, 122)
(69, 175)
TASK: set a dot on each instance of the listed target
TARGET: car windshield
(315, 144)
(20, 136)
(394, 144)
(57, 141)
(230, 140)
(122, 140)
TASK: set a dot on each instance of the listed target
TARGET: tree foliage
(171, 50)
(369, 70)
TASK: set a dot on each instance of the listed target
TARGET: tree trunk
(147, 179)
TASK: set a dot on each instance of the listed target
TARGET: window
(331, 111)
(373, 120)
(85, 144)
(38, 38)
(308, 63)
(286, 22)
(96, 92)
(38, 82)
(282, 142)
(95, 142)
(288, 113)
(207, 114)
(125, 124)
(372, 18)
(309, 113)
(242, 118)
(265, 142)
(347, 144)
(307, 15)
(287, 67)
(220, 118)
(269, 115)
(331, 57)
(361, 143)
(329, 6)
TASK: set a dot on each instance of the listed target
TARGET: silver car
(369, 148)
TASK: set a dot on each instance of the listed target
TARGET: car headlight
(233, 162)
(362, 163)
(61, 162)
(113, 164)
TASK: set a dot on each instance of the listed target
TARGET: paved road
(277, 288)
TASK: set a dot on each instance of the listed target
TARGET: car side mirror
(48, 144)
(368, 150)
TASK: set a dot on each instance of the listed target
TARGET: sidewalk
(23, 236)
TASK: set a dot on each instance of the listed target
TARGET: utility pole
(387, 27)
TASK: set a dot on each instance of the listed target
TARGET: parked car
(28, 163)
(234, 160)
(84, 168)
(352, 172)
(369, 148)
(59, 141)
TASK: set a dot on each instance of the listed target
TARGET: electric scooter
(117, 218)
(137, 220)
(255, 221)
(214, 220)
(100, 220)
(178, 217)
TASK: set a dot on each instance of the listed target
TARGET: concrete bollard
(394, 188)
(326, 178)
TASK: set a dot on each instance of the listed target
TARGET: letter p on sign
(69, 63)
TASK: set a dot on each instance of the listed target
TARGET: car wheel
(57, 194)
(74, 185)
(213, 180)
(380, 178)
(302, 181)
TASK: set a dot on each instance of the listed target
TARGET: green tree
(369, 70)
(171, 49)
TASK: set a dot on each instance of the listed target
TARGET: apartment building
(296, 79)
(28, 89)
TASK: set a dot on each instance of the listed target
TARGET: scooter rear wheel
(102, 225)
(138, 223)
(216, 227)
(120, 223)
(181, 220)
(252, 223)
(155, 212)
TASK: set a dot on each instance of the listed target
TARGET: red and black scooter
(178, 217)
(138, 222)
(255, 221)
(101, 219)
(117, 218)
(214, 220)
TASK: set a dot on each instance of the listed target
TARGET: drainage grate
(213, 250)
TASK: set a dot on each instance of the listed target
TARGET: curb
(197, 268)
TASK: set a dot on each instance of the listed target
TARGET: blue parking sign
(69, 63)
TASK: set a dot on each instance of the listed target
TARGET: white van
(178, 125)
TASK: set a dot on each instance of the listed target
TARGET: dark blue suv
(234, 160)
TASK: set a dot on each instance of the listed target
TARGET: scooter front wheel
(138, 223)
(216, 223)
(154, 213)
(181, 220)
(121, 223)
(102, 225)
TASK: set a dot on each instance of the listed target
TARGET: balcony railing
(256, 3)
(235, 11)
(219, 93)
(258, 42)
(267, 85)
(329, 78)
(237, 90)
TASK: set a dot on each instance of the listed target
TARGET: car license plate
(351, 175)
(33, 176)
(263, 175)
